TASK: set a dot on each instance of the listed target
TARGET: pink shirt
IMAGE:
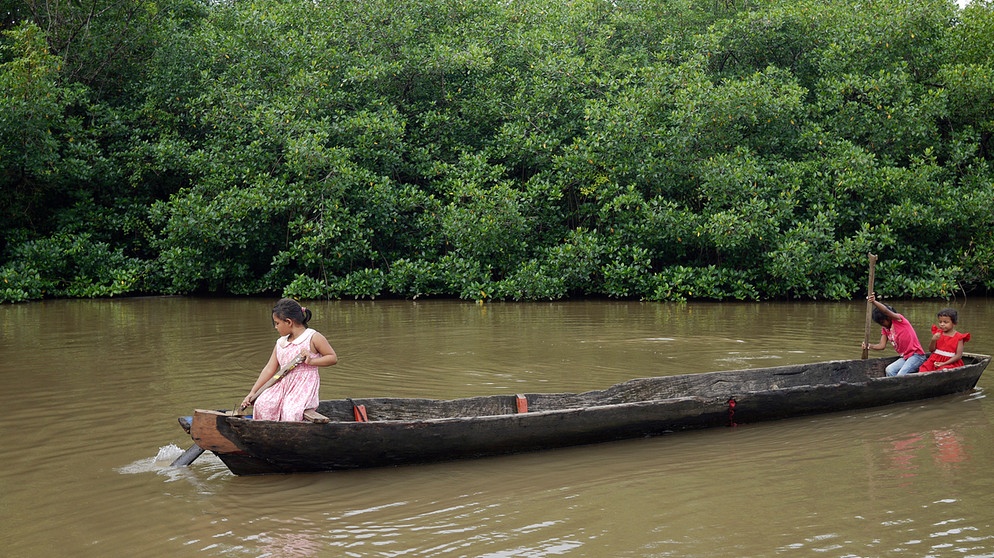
(903, 337)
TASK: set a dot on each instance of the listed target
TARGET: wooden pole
(869, 307)
(301, 357)
(188, 456)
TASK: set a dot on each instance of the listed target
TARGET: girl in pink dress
(946, 344)
(298, 390)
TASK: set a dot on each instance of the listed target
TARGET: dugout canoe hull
(409, 431)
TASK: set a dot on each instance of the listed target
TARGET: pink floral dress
(298, 391)
(945, 347)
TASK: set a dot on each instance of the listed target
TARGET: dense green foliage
(517, 150)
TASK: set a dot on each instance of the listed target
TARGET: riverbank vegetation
(507, 150)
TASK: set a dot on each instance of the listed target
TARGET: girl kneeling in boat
(946, 344)
(299, 389)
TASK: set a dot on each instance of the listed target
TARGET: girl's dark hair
(950, 313)
(288, 308)
(879, 316)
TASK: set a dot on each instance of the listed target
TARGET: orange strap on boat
(522, 402)
(359, 412)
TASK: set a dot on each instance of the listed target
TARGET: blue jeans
(903, 366)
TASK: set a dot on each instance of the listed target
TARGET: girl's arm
(882, 344)
(878, 346)
(955, 357)
(894, 317)
(320, 345)
(267, 372)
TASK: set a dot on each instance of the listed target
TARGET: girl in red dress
(946, 344)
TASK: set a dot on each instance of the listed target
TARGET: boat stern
(209, 430)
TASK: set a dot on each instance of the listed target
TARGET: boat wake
(161, 460)
(161, 464)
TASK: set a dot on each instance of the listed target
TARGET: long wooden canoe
(406, 431)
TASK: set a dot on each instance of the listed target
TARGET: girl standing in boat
(298, 391)
(946, 344)
(899, 331)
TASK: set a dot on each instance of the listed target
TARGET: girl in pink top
(298, 391)
(946, 344)
(901, 334)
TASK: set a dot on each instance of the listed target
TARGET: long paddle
(869, 307)
(279, 375)
(188, 456)
(191, 454)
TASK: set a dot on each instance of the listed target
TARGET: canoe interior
(707, 385)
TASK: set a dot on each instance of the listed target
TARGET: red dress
(945, 347)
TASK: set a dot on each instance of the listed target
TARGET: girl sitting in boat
(298, 390)
(946, 344)
(901, 334)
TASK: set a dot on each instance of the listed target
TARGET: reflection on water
(943, 446)
(94, 389)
